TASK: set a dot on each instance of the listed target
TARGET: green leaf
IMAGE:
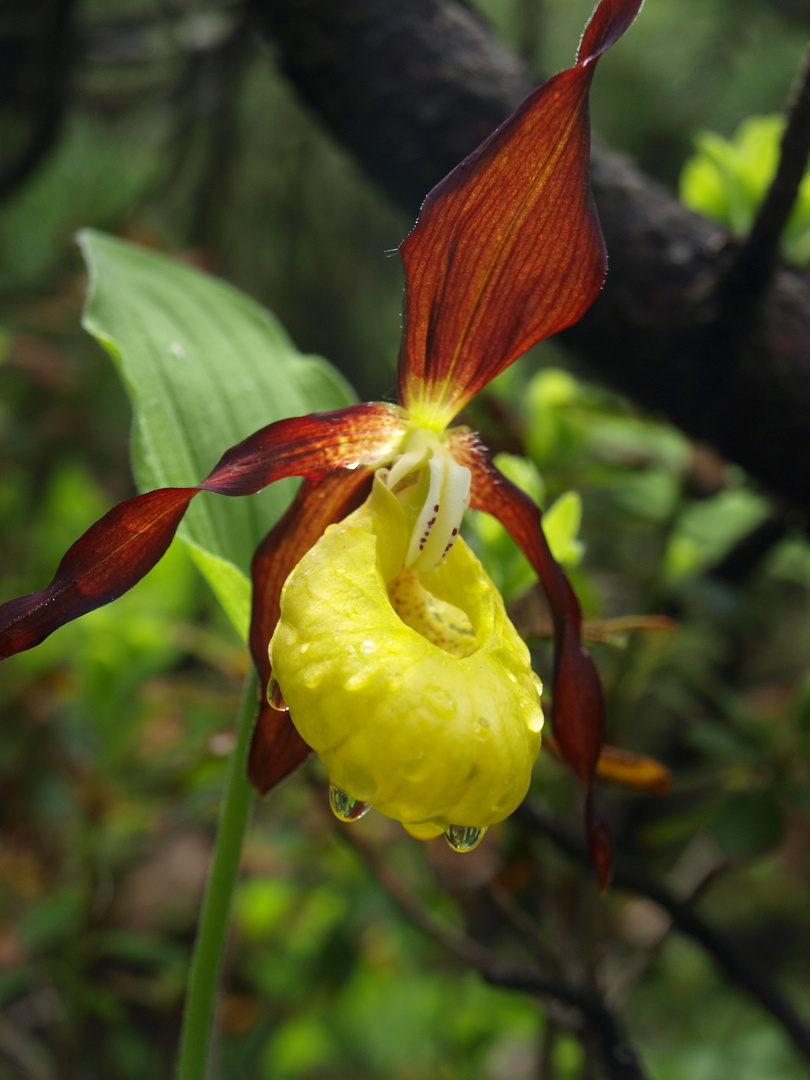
(705, 531)
(749, 823)
(727, 179)
(204, 366)
(550, 431)
(561, 524)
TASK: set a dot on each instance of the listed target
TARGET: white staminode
(429, 479)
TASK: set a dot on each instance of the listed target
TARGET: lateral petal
(111, 557)
(120, 548)
(577, 713)
(309, 446)
(507, 249)
(277, 748)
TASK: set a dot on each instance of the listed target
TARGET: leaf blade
(203, 366)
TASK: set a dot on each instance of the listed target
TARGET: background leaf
(204, 366)
(727, 179)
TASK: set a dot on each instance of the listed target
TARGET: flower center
(434, 491)
(441, 623)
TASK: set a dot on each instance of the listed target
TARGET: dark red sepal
(277, 748)
(577, 713)
(111, 557)
(578, 703)
(507, 249)
(598, 841)
(607, 24)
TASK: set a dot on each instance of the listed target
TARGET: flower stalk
(209, 945)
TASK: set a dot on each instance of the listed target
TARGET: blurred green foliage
(116, 730)
(508, 566)
(727, 179)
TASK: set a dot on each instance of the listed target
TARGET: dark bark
(36, 54)
(735, 965)
(794, 9)
(411, 86)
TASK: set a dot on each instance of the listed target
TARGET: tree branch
(755, 263)
(734, 965)
(620, 1058)
(36, 54)
(412, 86)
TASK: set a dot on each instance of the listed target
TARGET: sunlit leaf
(727, 179)
(706, 530)
(204, 366)
(561, 523)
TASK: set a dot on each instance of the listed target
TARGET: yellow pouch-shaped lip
(429, 735)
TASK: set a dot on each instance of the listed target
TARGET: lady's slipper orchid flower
(390, 649)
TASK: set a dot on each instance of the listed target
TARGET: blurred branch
(412, 86)
(230, 67)
(461, 946)
(794, 9)
(620, 1058)
(736, 967)
(522, 925)
(754, 265)
(165, 34)
(26, 1057)
(698, 865)
(36, 53)
(746, 556)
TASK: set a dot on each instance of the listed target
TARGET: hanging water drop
(276, 698)
(345, 806)
(464, 837)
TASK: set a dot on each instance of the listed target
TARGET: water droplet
(345, 806)
(464, 837)
(276, 698)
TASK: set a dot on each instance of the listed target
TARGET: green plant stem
(206, 963)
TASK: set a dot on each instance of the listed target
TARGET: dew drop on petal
(276, 698)
(464, 837)
(345, 806)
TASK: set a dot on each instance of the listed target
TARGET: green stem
(206, 964)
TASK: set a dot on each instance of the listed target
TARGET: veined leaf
(204, 366)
